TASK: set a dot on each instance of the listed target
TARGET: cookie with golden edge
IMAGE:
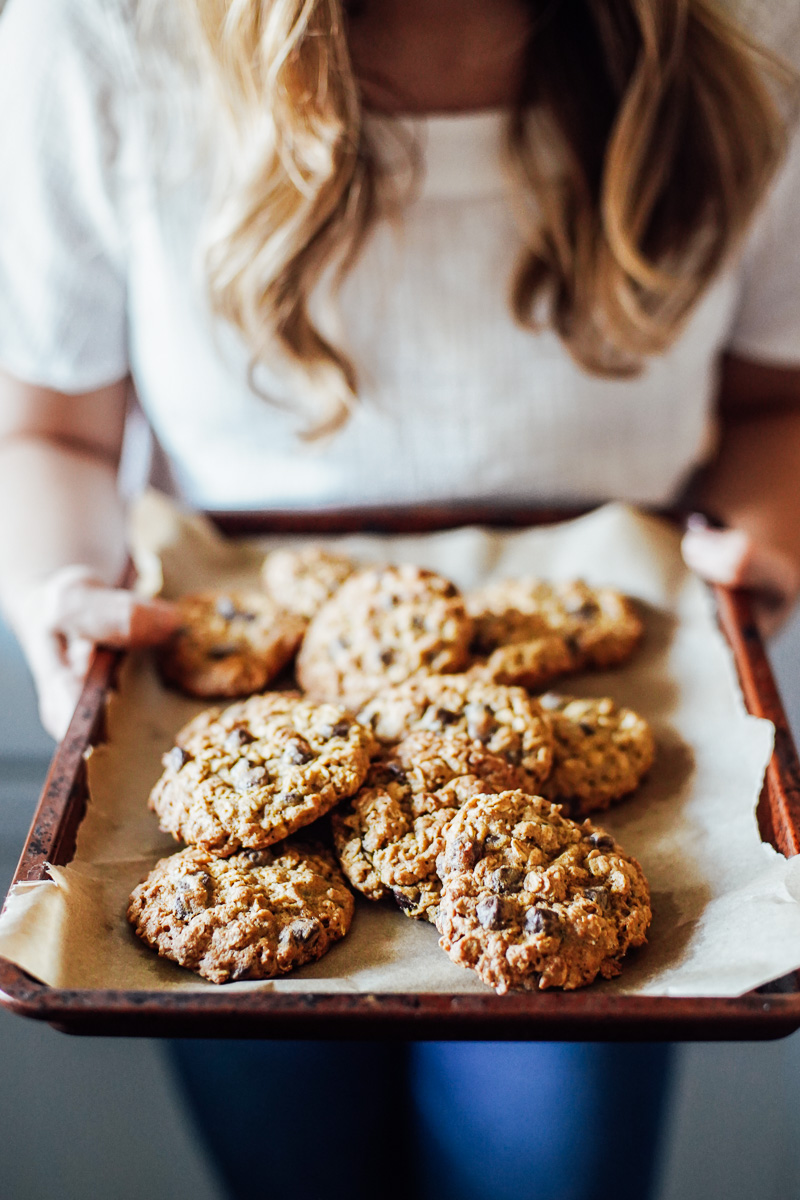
(382, 626)
(256, 771)
(300, 581)
(253, 915)
(504, 721)
(229, 643)
(601, 753)
(532, 900)
(389, 834)
(530, 632)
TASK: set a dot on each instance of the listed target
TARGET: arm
(753, 486)
(62, 542)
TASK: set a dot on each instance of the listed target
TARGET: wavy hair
(644, 136)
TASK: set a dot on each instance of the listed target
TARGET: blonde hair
(666, 130)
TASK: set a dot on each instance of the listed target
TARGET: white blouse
(98, 279)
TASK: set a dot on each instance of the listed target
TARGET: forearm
(754, 483)
(61, 506)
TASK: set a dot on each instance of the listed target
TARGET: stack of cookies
(456, 789)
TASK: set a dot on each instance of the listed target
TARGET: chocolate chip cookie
(251, 916)
(503, 720)
(529, 632)
(389, 834)
(382, 626)
(300, 581)
(250, 774)
(229, 643)
(601, 752)
(532, 900)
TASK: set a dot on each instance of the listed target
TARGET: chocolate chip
(450, 590)
(259, 858)
(390, 772)
(246, 775)
(340, 729)
(303, 932)
(598, 896)
(176, 758)
(298, 751)
(462, 854)
(179, 908)
(491, 913)
(480, 722)
(290, 798)
(403, 900)
(440, 718)
(238, 737)
(387, 657)
(541, 920)
(588, 729)
(580, 607)
(225, 608)
(218, 652)
(602, 841)
(505, 879)
(417, 622)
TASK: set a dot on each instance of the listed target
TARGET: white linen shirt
(98, 280)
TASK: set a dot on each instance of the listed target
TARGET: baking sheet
(726, 906)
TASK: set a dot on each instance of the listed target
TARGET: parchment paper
(726, 906)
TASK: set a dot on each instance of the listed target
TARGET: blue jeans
(431, 1120)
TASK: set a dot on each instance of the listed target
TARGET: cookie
(382, 626)
(250, 774)
(530, 632)
(251, 916)
(300, 581)
(532, 900)
(389, 834)
(503, 720)
(601, 752)
(230, 643)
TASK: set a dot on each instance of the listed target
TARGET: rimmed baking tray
(589, 1015)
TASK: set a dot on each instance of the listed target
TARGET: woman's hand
(60, 622)
(753, 488)
(737, 559)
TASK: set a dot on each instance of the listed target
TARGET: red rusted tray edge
(572, 1016)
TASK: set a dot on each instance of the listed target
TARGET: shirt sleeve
(62, 246)
(766, 325)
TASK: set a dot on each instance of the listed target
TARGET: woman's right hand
(59, 623)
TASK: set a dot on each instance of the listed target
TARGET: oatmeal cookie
(252, 916)
(531, 900)
(302, 580)
(530, 632)
(382, 626)
(388, 835)
(601, 752)
(229, 644)
(503, 720)
(250, 774)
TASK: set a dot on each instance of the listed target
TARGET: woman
(451, 250)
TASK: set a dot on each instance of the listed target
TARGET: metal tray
(585, 1015)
